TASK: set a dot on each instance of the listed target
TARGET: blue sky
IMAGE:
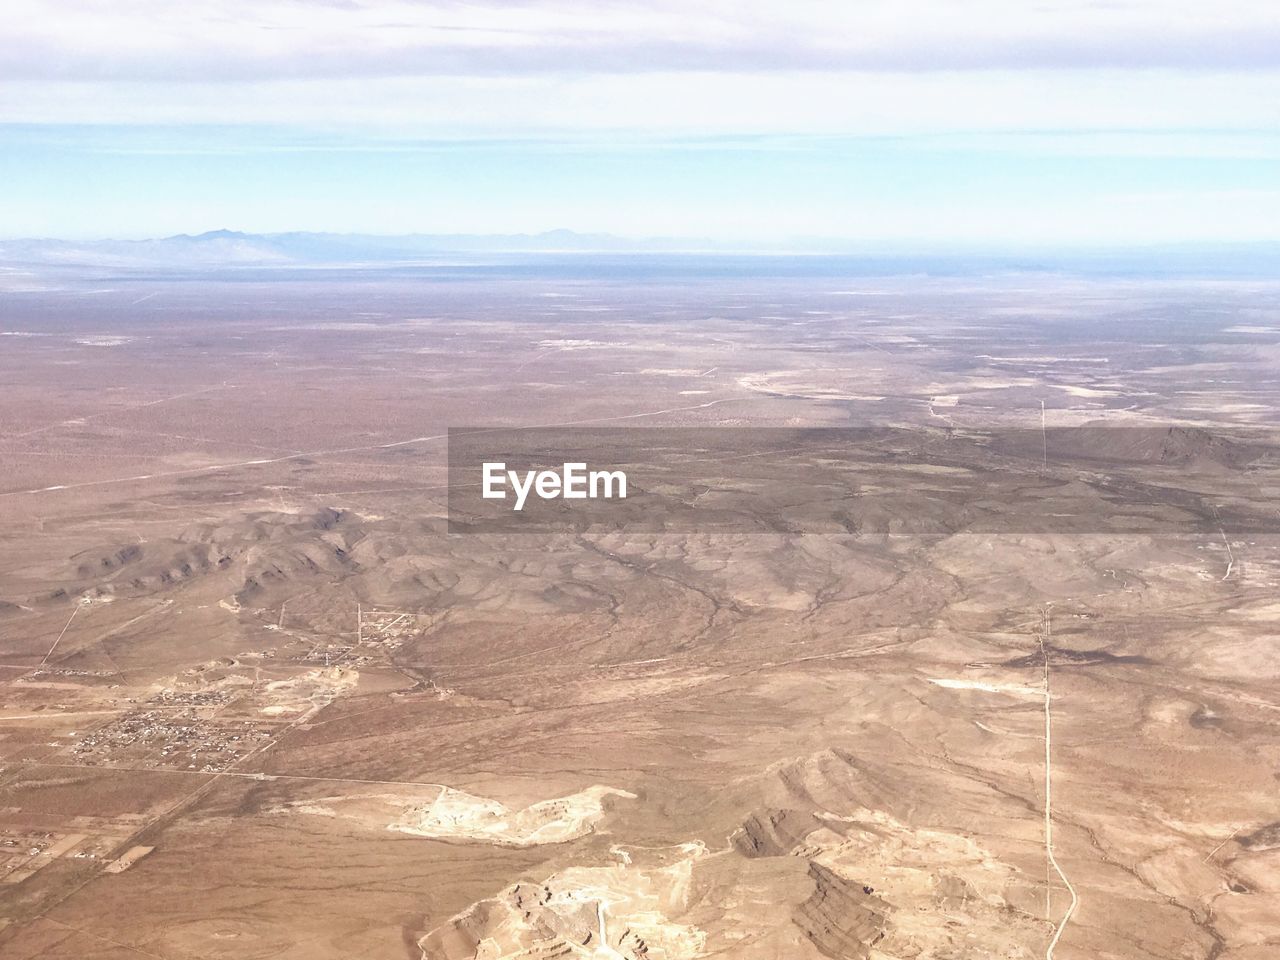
(899, 123)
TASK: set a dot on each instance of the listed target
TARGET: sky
(884, 122)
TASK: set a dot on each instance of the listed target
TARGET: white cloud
(261, 39)
(557, 66)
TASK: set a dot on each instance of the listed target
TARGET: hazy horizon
(674, 243)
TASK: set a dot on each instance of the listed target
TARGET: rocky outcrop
(842, 917)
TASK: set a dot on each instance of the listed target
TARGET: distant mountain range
(219, 249)
(234, 247)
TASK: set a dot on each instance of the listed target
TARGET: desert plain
(259, 700)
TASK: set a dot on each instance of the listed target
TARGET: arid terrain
(257, 700)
